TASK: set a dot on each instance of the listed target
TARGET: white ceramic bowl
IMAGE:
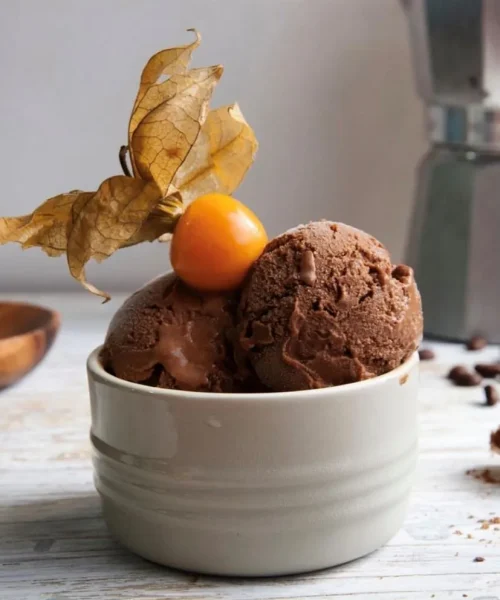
(242, 484)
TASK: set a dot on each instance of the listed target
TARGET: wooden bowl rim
(53, 319)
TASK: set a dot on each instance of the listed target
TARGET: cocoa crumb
(487, 523)
(483, 475)
(488, 477)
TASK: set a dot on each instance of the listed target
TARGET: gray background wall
(326, 84)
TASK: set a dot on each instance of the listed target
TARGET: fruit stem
(170, 208)
(122, 155)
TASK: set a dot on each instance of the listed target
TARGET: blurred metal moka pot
(454, 243)
(456, 49)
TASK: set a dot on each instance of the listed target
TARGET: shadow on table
(66, 541)
(63, 528)
(71, 522)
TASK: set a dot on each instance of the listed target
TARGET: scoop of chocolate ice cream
(324, 306)
(168, 335)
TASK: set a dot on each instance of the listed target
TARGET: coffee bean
(457, 371)
(426, 354)
(488, 370)
(468, 379)
(463, 377)
(491, 394)
(476, 343)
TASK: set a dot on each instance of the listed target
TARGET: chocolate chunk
(402, 273)
(308, 268)
(378, 274)
(262, 333)
(488, 370)
(491, 395)
(426, 354)
(463, 377)
(476, 342)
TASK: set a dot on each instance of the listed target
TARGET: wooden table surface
(54, 544)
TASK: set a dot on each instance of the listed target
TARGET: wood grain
(54, 545)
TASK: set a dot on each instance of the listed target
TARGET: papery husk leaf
(221, 156)
(106, 221)
(178, 151)
(87, 225)
(46, 227)
(162, 140)
(171, 61)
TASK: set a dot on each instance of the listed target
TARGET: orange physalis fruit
(215, 242)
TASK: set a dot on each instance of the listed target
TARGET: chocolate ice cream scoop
(168, 335)
(324, 306)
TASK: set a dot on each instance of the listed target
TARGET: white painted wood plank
(53, 542)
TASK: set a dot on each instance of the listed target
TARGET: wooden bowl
(26, 334)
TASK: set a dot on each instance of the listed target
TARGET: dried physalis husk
(46, 227)
(161, 141)
(105, 222)
(221, 156)
(218, 162)
(178, 150)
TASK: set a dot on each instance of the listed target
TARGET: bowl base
(263, 554)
